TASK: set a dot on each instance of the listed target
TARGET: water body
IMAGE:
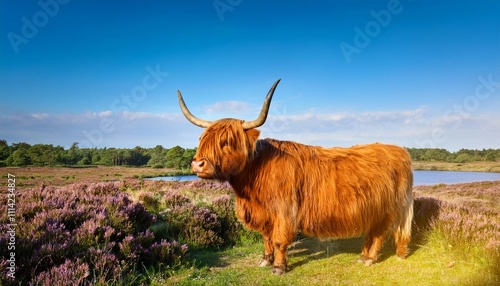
(451, 177)
(420, 177)
(176, 178)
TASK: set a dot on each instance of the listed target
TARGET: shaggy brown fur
(284, 187)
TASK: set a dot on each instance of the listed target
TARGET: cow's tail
(403, 230)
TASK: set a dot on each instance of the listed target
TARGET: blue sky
(105, 73)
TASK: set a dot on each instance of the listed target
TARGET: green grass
(458, 244)
(313, 262)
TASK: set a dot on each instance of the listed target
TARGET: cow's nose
(197, 166)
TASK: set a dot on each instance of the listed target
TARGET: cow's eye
(224, 144)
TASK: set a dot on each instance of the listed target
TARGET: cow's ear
(253, 135)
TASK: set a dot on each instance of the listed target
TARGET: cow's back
(324, 192)
(356, 190)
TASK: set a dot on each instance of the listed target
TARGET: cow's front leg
(282, 237)
(280, 260)
(268, 257)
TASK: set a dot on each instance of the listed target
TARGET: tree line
(461, 156)
(23, 154)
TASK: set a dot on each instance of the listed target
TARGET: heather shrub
(174, 199)
(470, 233)
(198, 213)
(232, 230)
(69, 273)
(83, 234)
(463, 219)
(425, 212)
(467, 218)
(150, 201)
(191, 224)
(466, 229)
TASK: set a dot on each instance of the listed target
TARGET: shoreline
(59, 176)
(493, 167)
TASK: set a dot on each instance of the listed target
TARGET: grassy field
(60, 176)
(456, 237)
(446, 166)
(456, 242)
(443, 251)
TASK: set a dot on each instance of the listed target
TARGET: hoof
(366, 261)
(401, 258)
(264, 263)
(277, 271)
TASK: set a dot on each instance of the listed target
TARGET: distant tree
(174, 157)
(4, 150)
(157, 156)
(73, 155)
(57, 156)
(463, 158)
(84, 156)
(434, 154)
(138, 157)
(187, 158)
(113, 156)
(24, 154)
(20, 158)
(85, 161)
(415, 154)
(20, 145)
(96, 156)
(490, 156)
(36, 153)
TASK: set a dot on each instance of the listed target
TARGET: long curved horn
(196, 121)
(263, 113)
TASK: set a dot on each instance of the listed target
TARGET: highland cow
(284, 187)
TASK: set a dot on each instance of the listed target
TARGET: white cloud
(236, 107)
(412, 128)
(100, 129)
(106, 113)
(40, 115)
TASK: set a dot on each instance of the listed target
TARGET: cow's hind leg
(373, 243)
(402, 233)
(401, 244)
(378, 241)
(371, 247)
(367, 244)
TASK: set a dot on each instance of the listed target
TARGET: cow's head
(226, 145)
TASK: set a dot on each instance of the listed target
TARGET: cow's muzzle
(197, 166)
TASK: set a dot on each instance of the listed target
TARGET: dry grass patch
(484, 166)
